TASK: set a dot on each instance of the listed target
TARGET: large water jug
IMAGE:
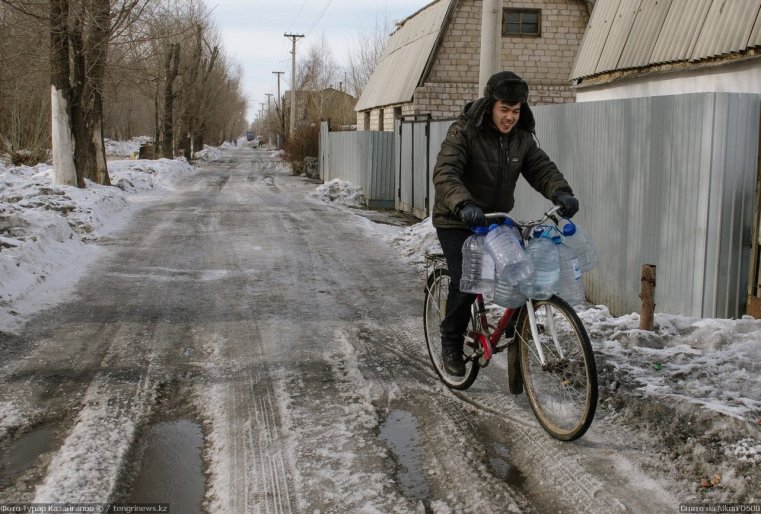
(570, 287)
(503, 243)
(475, 273)
(507, 294)
(544, 254)
(576, 238)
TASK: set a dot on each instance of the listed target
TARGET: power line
(319, 17)
(297, 16)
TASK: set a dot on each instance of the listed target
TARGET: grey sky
(252, 33)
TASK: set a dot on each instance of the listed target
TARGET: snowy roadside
(49, 233)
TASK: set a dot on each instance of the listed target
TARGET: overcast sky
(252, 32)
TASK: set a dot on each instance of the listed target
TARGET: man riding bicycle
(486, 149)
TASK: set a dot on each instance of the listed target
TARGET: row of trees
(122, 68)
(112, 68)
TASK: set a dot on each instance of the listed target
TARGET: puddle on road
(24, 452)
(172, 468)
(499, 463)
(401, 434)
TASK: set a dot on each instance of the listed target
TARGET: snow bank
(46, 230)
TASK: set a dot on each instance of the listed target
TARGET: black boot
(453, 361)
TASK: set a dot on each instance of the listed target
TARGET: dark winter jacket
(479, 163)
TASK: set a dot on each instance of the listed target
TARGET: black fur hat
(506, 86)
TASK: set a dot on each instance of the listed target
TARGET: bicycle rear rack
(434, 261)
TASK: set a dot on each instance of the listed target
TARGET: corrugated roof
(644, 33)
(626, 34)
(598, 28)
(681, 29)
(619, 32)
(755, 35)
(404, 58)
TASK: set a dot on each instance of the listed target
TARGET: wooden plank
(754, 307)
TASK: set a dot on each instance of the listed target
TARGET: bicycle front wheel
(436, 291)
(562, 392)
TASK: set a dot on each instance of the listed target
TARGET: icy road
(294, 340)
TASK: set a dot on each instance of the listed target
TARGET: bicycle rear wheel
(563, 392)
(435, 307)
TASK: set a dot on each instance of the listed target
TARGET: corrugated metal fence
(664, 180)
(365, 159)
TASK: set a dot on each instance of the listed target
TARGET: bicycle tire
(562, 394)
(436, 290)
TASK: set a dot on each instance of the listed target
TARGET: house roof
(630, 34)
(405, 57)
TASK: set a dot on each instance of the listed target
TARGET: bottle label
(576, 268)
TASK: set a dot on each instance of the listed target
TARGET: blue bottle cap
(569, 228)
(492, 227)
(480, 230)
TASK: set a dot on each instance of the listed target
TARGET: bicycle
(548, 348)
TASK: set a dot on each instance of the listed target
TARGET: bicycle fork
(548, 329)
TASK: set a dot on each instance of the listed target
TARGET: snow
(340, 192)
(50, 233)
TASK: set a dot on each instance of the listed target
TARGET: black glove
(568, 203)
(471, 214)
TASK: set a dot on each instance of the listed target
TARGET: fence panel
(664, 180)
(406, 167)
(362, 158)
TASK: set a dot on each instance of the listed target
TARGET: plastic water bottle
(570, 287)
(576, 238)
(507, 294)
(503, 243)
(475, 275)
(544, 254)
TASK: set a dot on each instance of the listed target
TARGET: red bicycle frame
(489, 341)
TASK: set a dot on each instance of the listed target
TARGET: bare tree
(62, 134)
(80, 36)
(171, 69)
(106, 62)
(317, 72)
(24, 83)
(364, 56)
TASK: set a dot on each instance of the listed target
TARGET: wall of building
(544, 62)
(389, 114)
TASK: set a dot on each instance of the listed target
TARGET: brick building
(431, 61)
(326, 104)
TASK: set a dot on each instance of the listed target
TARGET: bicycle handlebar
(547, 215)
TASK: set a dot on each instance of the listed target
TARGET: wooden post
(647, 295)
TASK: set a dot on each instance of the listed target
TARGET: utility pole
(279, 107)
(269, 130)
(293, 38)
(261, 117)
(491, 41)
